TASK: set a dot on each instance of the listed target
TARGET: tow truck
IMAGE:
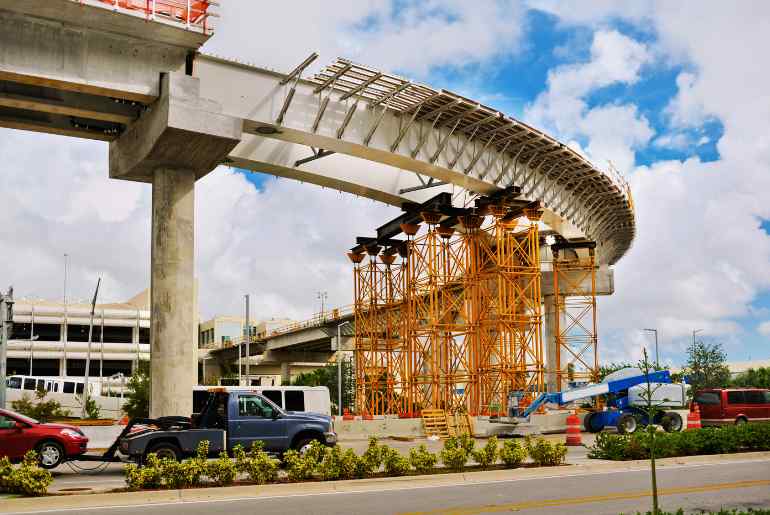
(229, 418)
(624, 391)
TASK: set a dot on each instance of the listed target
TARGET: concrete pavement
(707, 482)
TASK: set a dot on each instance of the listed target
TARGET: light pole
(247, 337)
(322, 296)
(695, 331)
(657, 361)
(6, 319)
(339, 366)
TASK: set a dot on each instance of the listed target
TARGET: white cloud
(686, 108)
(764, 328)
(281, 244)
(700, 257)
(412, 36)
(613, 131)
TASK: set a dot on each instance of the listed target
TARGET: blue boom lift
(625, 403)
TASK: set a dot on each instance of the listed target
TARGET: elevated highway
(131, 73)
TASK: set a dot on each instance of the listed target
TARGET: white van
(290, 398)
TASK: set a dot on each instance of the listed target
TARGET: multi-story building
(50, 338)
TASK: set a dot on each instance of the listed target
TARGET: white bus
(290, 398)
(51, 384)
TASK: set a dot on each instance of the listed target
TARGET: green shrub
(467, 442)
(455, 453)
(222, 471)
(422, 459)
(330, 467)
(708, 440)
(512, 453)
(150, 475)
(371, 460)
(351, 465)
(395, 463)
(298, 467)
(6, 473)
(544, 452)
(42, 410)
(257, 464)
(29, 479)
(487, 455)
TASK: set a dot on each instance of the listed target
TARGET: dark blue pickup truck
(230, 418)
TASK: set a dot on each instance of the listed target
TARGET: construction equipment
(626, 401)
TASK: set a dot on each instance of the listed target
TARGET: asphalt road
(692, 487)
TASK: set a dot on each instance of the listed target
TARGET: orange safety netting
(181, 10)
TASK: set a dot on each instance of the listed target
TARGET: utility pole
(657, 361)
(86, 391)
(247, 335)
(6, 322)
(63, 370)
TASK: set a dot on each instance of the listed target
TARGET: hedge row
(332, 463)
(708, 440)
(26, 479)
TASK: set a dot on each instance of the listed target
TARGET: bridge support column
(549, 338)
(179, 139)
(172, 292)
(285, 374)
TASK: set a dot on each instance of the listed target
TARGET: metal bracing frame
(457, 324)
(575, 322)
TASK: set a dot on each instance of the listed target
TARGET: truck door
(254, 418)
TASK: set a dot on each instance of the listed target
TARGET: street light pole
(339, 366)
(6, 319)
(657, 361)
(695, 331)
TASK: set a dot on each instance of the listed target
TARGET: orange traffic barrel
(573, 430)
(693, 418)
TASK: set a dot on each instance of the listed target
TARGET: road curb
(97, 500)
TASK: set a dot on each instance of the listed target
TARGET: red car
(720, 406)
(54, 443)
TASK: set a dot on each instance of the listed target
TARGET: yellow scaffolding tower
(574, 286)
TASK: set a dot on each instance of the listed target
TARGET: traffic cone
(693, 418)
(347, 415)
(123, 421)
(573, 430)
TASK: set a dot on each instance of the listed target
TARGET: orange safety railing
(193, 14)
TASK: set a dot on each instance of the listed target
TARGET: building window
(21, 331)
(118, 334)
(48, 332)
(144, 335)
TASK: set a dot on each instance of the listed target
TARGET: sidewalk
(129, 499)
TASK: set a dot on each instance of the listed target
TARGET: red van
(719, 406)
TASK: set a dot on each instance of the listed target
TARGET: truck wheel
(50, 454)
(627, 424)
(671, 422)
(591, 423)
(165, 450)
(741, 421)
(302, 445)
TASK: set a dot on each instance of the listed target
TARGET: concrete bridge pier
(172, 292)
(180, 138)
